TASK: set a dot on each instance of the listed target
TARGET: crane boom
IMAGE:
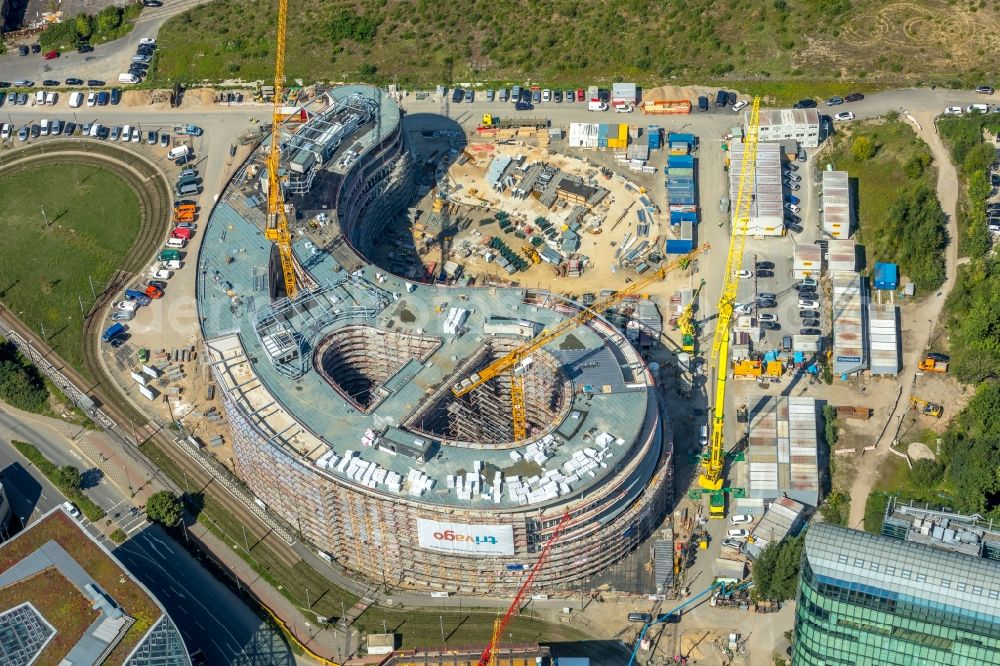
(711, 478)
(515, 356)
(489, 656)
(277, 219)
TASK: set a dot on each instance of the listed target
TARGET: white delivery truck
(596, 104)
(179, 151)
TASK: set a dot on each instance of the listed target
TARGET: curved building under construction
(344, 421)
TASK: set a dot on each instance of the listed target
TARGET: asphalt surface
(104, 63)
(207, 613)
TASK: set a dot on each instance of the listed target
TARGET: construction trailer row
(682, 192)
(767, 214)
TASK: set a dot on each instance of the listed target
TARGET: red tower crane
(490, 654)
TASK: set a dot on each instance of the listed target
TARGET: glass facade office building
(873, 600)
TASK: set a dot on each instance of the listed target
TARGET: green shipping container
(170, 255)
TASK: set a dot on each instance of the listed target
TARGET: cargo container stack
(653, 136)
(681, 192)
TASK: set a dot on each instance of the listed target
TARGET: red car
(154, 292)
(51, 55)
(579, 94)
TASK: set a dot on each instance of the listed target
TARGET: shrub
(926, 473)
(837, 508)
(68, 478)
(119, 536)
(863, 148)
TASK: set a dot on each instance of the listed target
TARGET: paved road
(105, 62)
(207, 613)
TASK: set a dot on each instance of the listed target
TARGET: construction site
(383, 418)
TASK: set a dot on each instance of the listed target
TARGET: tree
(68, 478)
(831, 426)
(109, 19)
(21, 387)
(776, 570)
(863, 148)
(84, 26)
(164, 507)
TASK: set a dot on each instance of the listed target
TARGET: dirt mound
(919, 451)
(664, 93)
(137, 97)
(198, 97)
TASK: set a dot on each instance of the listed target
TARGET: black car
(102, 98)
(805, 104)
(766, 265)
(523, 106)
(23, 49)
(4, 84)
(116, 95)
(808, 314)
(810, 331)
(457, 94)
(35, 131)
(557, 96)
(792, 218)
(730, 98)
(159, 284)
(36, 48)
(766, 303)
(808, 294)
(184, 159)
(940, 358)
(74, 82)
(152, 3)
(103, 132)
(767, 296)
(797, 228)
(854, 97)
(791, 167)
(811, 323)
(69, 129)
(50, 82)
(185, 202)
(95, 83)
(761, 273)
(770, 325)
(84, 48)
(672, 618)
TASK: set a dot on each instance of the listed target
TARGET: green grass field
(59, 226)
(576, 42)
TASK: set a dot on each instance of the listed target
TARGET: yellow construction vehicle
(927, 408)
(277, 218)
(531, 253)
(933, 364)
(689, 331)
(711, 478)
(511, 363)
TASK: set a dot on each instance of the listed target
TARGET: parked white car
(737, 534)
(807, 304)
(953, 111)
(160, 273)
(71, 509)
(126, 305)
(740, 105)
(767, 316)
(844, 115)
(741, 519)
(744, 274)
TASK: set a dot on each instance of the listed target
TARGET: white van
(176, 243)
(126, 133)
(45, 127)
(95, 129)
(125, 77)
(179, 151)
(50, 98)
(76, 99)
(981, 108)
(596, 105)
(40, 97)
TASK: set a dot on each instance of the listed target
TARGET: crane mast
(711, 478)
(277, 218)
(490, 654)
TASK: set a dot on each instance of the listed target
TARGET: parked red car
(51, 55)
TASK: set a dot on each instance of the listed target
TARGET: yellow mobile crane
(277, 219)
(711, 477)
(685, 323)
(512, 361)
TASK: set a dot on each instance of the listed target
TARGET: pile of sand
(197, 97)
(665, 93)
(138, 97)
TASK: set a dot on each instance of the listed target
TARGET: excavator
(926, 407)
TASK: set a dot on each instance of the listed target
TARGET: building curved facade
(340, 402)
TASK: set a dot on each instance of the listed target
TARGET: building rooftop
(427, 337)
(782, 451)
(769, 117)
(969, 535)
(767, 209)
(916, 573)
(836, 201)
(64, 599)
(784, 517)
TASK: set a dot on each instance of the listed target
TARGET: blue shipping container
(679, 246)
(678, 216)
(886, 276)
(678, 137)
(653, 137)
(682, 161)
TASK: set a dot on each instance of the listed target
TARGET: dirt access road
(930, 310)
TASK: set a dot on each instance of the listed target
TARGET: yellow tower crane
(277, 219)
(514, 361)
(711, 478)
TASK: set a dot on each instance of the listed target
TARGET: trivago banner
(465, 539)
